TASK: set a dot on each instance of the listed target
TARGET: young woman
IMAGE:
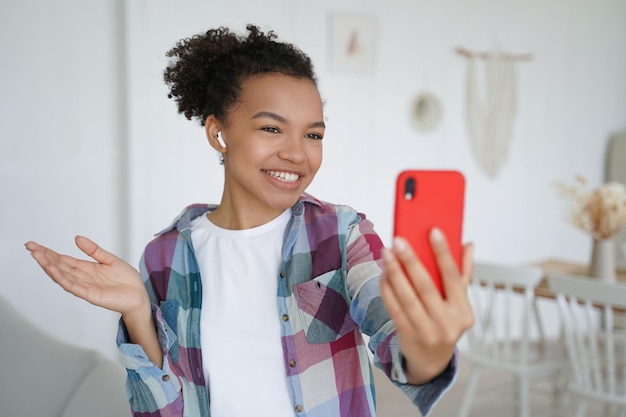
(257, 306)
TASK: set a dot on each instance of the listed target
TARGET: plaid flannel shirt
(328, 293)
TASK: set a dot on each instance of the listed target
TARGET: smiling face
(273, 150)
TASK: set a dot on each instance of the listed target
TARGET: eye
(270, 129)
(316, 136)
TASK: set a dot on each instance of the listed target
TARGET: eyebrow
(281, 119)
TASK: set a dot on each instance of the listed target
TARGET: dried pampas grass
(601, 212)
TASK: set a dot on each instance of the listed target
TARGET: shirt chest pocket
(323, 308)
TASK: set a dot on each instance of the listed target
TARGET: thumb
(468, 263)
(91, 249)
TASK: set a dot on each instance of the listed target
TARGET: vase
(603, 260)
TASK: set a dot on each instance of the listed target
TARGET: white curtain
(491, 108)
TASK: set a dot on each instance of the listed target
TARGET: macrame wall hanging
(491, 105)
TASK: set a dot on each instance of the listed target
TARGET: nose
(293, 149)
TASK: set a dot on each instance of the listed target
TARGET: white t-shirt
(239, 325)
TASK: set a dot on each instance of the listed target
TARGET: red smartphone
(426, 199)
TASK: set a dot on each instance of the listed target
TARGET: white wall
(65, 117)
(59, 163)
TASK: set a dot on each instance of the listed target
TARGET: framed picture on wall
(352, 42)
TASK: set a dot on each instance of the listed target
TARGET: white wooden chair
(596, 349)
(508, 336)
(616, 171)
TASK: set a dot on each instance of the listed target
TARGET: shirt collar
(182, 222)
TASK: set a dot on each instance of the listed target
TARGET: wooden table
(554, 265)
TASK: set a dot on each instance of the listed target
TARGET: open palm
(108, 282)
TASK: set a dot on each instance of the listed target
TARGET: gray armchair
(45, 377)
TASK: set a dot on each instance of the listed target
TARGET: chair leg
(580, 407)
(523, 397)
(559, 390)
(538, 323)
(470, 392)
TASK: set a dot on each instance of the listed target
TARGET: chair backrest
(616, 171)
(502, 297)
(596, 348)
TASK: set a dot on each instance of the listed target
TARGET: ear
(211, 127)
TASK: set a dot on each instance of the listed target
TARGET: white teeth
(284, 176)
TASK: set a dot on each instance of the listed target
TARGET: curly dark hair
(206, 72)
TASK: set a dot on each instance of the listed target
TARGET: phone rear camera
(409, 188)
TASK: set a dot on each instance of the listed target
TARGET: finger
(32, 246)
(414, 327)
(91, 249)
(73, 275)
(418, 276)
(41, 259)
(46, 256)
(64, 266)
(57, 269)
(468, 263)
(392, 304)
(452, 280)
(398, 282)
(402, 297)
(456, 285)
(403, 323)
(445, 260)
(64, 263)
(42, 254)
(410, 324)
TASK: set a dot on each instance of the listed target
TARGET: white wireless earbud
(220, 140)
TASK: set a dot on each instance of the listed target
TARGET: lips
(283, 176)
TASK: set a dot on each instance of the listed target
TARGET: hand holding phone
(426, 199)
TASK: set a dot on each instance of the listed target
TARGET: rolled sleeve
(427, 395)
(389, 359)
(150, 388)
(167, 338)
